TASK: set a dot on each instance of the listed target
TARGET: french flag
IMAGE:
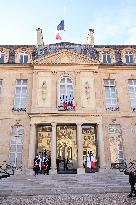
(58, 37)
(60, 27)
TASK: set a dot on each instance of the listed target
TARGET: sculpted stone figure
(87, 90)
(44, 90)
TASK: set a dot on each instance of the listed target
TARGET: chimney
(39, 37)
(90, 37)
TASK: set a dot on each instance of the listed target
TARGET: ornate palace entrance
(66, 144)
(66, 149)
(89, 145)
(44, 139)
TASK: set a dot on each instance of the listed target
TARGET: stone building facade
(68, 99)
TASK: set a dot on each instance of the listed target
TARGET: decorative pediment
(65, 57)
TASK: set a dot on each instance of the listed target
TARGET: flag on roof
(58, 37)
(61, 26)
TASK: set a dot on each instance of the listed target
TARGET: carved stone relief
(44, 90)
(87, 90)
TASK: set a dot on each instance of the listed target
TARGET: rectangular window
(16, 147)
(23, 58)
(106, 58)
(111, 101)
(1, 57)
(129, 57)
(116, 143)
(20, 95)
(132, 93)
(0, 87)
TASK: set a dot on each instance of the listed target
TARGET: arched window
(66, 94)
(16, 146)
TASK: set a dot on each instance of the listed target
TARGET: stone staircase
(105, 182)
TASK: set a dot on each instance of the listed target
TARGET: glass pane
(108, 58)
(18, 91)
(127, 58)
(120, 154)
(0, 82)
(24, 91)
(69, 87)
(24, 82)
(19, 160)
(112, 89)
(130, 82)
(13, 141)
(104, 58)
(16, 105)
(62, 87)
(2, 58)
(106, 82)
(20, 131)
(18, 82)
(69, 80)
(21, 59)
(25, 58)
(107, 92)
(13, 148)
(131, 59)
(19, 148)
(12, 159)
(112, 82)
(131, 89)
(23, 103)
(133, 101)
(113, 95)
(62, 80)
(114, 101)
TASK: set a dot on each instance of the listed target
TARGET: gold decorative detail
(65, 57)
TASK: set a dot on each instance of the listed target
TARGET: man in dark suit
(131, 171)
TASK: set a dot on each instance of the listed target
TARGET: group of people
(42, 163)
(90, 160)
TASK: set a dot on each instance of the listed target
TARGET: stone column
(80, 169)
(32, 144)
(101, 149)
(53, 149)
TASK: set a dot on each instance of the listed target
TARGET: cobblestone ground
(65, 199)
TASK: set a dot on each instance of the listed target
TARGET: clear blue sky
(114, 21)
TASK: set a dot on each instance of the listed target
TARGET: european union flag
(61, 26)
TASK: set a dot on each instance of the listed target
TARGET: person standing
(36, 165)
(88, 160)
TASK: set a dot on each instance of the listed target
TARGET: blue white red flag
(61, 26)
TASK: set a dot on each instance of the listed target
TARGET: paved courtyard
(96, 188)
(70, 199)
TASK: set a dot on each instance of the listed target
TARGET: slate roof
(85, 49)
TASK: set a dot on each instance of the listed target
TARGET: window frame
(1, 86)
(111, 84)
(129, 54)
(2, 54)
(23, 54)
(133, 85)
(106, 54)
(66, 85)
(16, 136)
(20, 108)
